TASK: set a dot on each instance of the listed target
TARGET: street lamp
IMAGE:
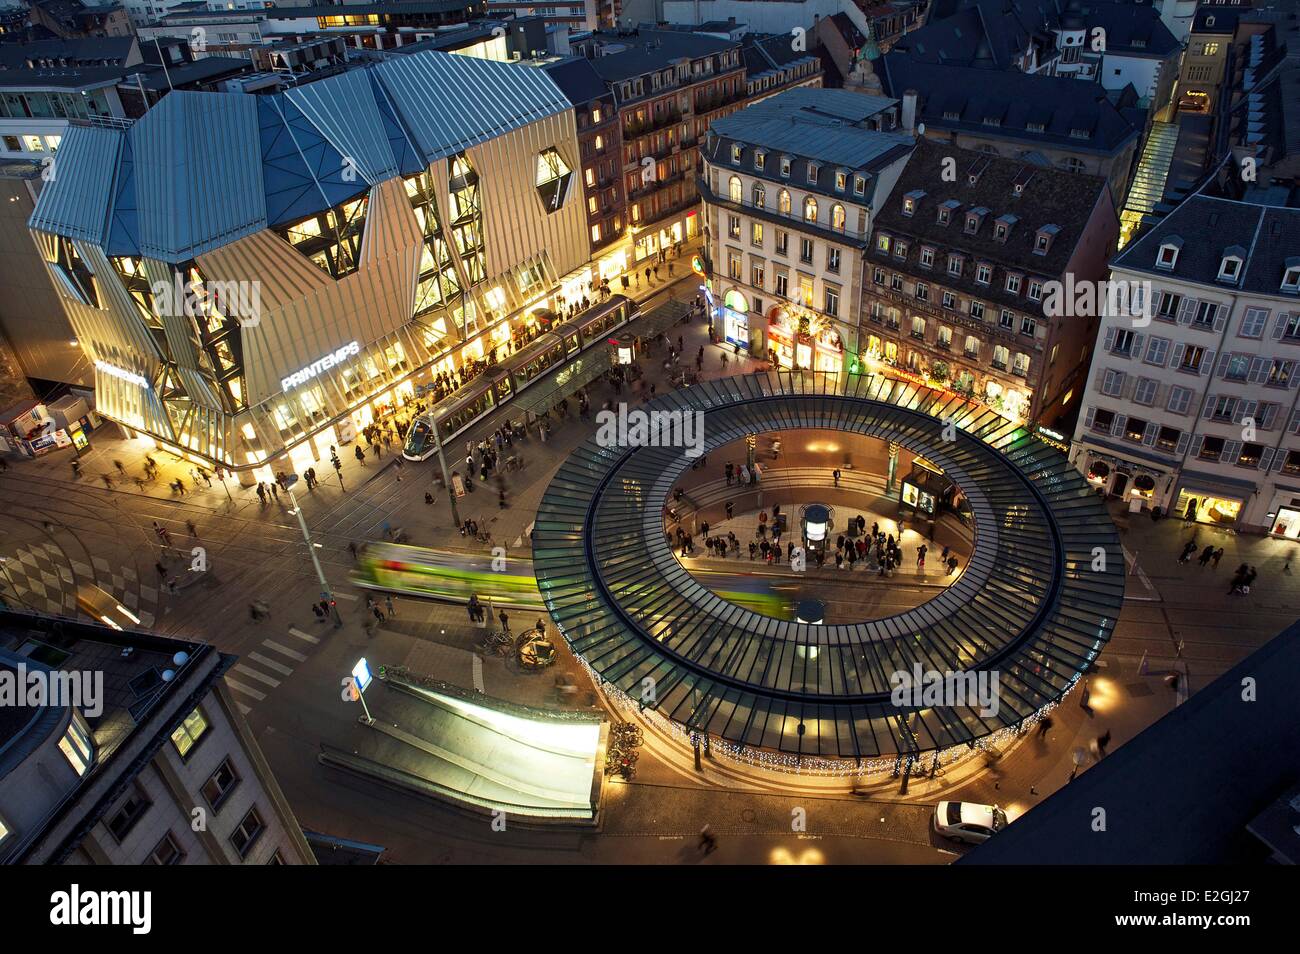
(446, 478)
(325, 592)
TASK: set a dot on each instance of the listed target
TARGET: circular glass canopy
(1035, 606)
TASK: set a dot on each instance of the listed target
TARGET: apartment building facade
(960, 276)
(161, 770)
(1196, 412)
(791, 186)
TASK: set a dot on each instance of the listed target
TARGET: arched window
(736, 190)
(736, 301)
(760, 196)
(783, 202)
(837, 217)
(918, 327)
(810, 209)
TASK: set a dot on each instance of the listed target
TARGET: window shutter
(1136, 350)
(1222, 369)
(1294, 426)
(1207, 363)
(1110, 338)
(1200, 445)
(1231, 451)
(1210, 401)
(1279, 459)
(1220, 317)
(1183, 440)
(1176, 354)
(1247, 410)
(1268, 416)
(1149, 436)
(1258, 369)
(1279, 326)
(1117, 430)
(1295, 378)
(1266, 458)
(1088, 419)
(1130, 387)
(1186, 312)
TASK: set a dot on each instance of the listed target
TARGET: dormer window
(736, 150)
(946, 211)
(859, 185)
(760, 157)
(974, 218)
(1002, 227)
(1291, 277)
(1230, 266)
(1043, 240)
(1168, 255)
(912, 200)
(841, 180)
(812, 172)
(882, 243)
(785, 166)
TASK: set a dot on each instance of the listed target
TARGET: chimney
(909, 111)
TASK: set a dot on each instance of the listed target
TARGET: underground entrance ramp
(446, 742)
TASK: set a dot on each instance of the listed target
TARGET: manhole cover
(748, 815)
(1137, 689)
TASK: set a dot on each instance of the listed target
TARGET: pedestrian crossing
(258, 673)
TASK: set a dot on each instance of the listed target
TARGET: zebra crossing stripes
(285, 651)
(255, 668)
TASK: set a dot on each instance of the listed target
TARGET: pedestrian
(1206, 554)
(117, 464)
(162, 570)
(319, 613)
(1188, 550)
(836, 475)
(108, 481)
(76, 470)
(1218, 555)
(388, 601)
(708, 840)
(505, 622)
(360, 455)
(1083, 700)
(194, 531)
(1103, 740)
(275, 491)
(379, 614)
(1044, 726)
(261, 492)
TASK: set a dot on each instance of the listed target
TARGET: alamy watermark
(925, 688)
(1117, 298)
(638, 428)
(240, 301)
(82, 689)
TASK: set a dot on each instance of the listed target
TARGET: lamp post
(325, 591)
(446, 478)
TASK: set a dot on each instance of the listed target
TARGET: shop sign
(122, 374)
(320, 364)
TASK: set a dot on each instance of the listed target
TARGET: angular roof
(1013, 101)
(578, 79)
(201, 170)
(645, 51)
(1207, 227)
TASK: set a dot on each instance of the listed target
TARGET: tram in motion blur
(455, 577)
(492, 389)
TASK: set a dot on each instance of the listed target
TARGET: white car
(968, 822)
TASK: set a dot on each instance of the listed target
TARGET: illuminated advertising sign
(321, 364)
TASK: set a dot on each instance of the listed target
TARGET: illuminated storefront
(1287, 523)
(735, 319)
(807, 341)
(1206, 507)
(650, 241)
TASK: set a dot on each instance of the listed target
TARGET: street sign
(361, 674)
(458, 484)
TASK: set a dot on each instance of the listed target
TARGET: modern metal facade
(402, 212)
(1036, 603)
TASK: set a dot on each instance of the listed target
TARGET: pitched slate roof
(818, 126)
(1015, 100)
(1049, 197)
(1207, 226)
(645, 51)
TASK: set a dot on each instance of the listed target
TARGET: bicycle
(625, 733)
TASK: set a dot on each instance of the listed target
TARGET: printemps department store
(385, 238)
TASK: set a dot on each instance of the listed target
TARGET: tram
(492, 389)
(455, 577)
